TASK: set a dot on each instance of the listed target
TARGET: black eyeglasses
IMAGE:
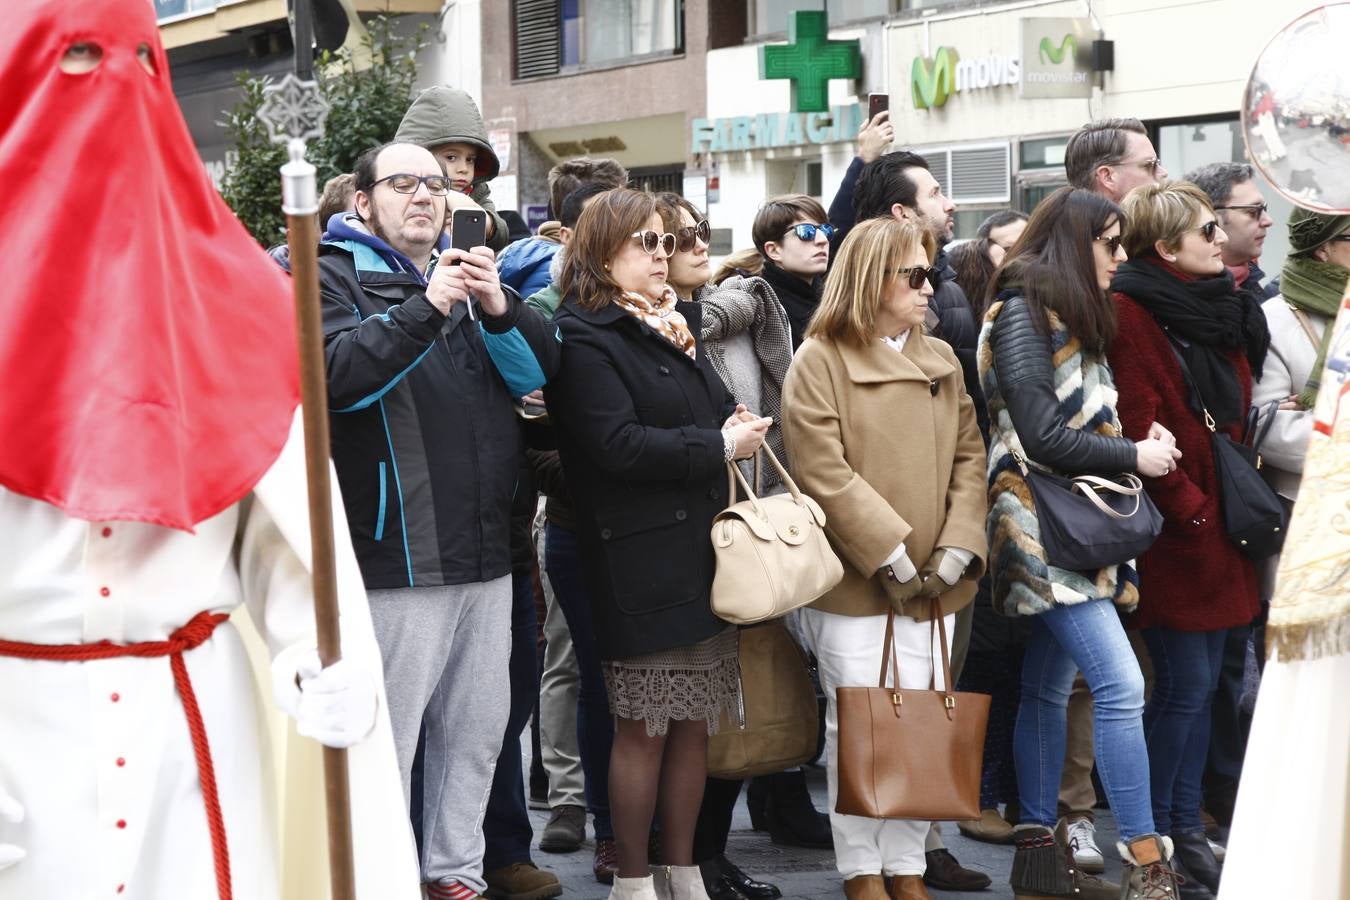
(919, 274)
(1339, 239)
(1207, 230)
(807, 231)
(1112, 243)
(404, 183)
(1255, 210)
(650, 241)
(685, 237)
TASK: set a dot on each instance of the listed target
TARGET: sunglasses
(1255, 210)
(1207, 230)
(919, 274)
(650, 241)
(1149, 165)
(1112, 244)
(685, 237)
(403, 183)
(807, 231)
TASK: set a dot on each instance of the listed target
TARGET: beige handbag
(772, 553)
(779, 706)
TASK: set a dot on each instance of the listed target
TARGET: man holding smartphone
(427, 452)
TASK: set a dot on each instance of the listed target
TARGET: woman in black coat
(645, 428)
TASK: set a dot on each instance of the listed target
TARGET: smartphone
(877, 103)
(468, 229)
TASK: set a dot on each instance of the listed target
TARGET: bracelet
(728, 446)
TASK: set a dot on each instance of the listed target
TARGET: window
(1186, 146)
(553, 36)
(972, 174)
(771, 16)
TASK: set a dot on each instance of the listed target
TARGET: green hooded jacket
(447, 115)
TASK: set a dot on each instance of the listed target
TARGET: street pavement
(803, 874)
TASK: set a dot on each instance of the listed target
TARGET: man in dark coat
(424, 358)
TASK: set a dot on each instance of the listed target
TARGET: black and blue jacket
(424, 439)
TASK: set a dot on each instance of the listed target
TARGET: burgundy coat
(1193, 578)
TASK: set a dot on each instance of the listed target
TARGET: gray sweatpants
(446, 655)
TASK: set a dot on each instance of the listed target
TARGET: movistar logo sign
(1052, 56)
(933, 80)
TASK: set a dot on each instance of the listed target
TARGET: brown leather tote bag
(910, 754)
(781, 716)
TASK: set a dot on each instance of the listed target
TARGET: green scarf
(1315, 287)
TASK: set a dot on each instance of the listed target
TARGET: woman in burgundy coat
(1174, 296)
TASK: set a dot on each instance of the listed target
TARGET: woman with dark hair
(1052, 406)
(974, 263)
(1177, 302)
(645, 428)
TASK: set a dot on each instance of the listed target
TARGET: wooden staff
(300, 203)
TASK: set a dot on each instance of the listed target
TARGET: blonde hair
(861, 274)
(1161, 212)
(742, 262)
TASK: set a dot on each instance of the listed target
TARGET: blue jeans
(595, 726)
(1186, 668)
(506, 822)
(1086, 637)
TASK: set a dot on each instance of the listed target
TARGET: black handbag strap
(1266, 418)
(1197, 403)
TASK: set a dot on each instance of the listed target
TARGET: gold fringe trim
(1308, 640)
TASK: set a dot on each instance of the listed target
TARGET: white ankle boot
(634, 889)
(679, 883)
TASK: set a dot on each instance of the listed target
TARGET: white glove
(12, 812)
(335, 706)
(954, 565)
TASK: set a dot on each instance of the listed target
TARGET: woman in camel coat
(882, 434)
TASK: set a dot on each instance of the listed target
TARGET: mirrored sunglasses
(650, 241)
(806, 231)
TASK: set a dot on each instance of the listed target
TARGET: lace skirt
(684, 683)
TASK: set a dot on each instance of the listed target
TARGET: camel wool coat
(887, 443)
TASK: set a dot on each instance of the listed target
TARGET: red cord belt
(191, 635)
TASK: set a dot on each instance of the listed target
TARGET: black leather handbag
(1088, 522)
(1253, 515)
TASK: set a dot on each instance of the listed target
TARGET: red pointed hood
(147, 344)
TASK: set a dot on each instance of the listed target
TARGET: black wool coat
(638, 427)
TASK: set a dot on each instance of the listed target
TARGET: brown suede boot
(908, 887)
(1148, 872)
(1043, 869)
(866, 887)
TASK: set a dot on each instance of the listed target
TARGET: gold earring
(606, 267)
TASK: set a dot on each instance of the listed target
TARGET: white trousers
(848, 651)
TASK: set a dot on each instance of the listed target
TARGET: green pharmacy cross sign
(810, 60)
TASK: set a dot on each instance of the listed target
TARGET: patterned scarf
(1021, 581)
(661, 317)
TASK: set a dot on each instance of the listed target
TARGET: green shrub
(365, 109)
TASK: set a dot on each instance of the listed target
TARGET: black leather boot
(791, 819)
(718, 886)
(1197, 860)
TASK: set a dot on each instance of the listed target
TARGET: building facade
(989, 93)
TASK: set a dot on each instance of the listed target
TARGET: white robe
(98, 753)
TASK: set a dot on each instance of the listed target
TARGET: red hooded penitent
(147, 344)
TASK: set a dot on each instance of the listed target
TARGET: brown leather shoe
(866, 887)
(606, 863)
(989, 828)
(908, 887)
(946, 874)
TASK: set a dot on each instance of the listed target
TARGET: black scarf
(1211, 315)
(799, 298)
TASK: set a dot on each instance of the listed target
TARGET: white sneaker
(1082, 835)
(1219, 850)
